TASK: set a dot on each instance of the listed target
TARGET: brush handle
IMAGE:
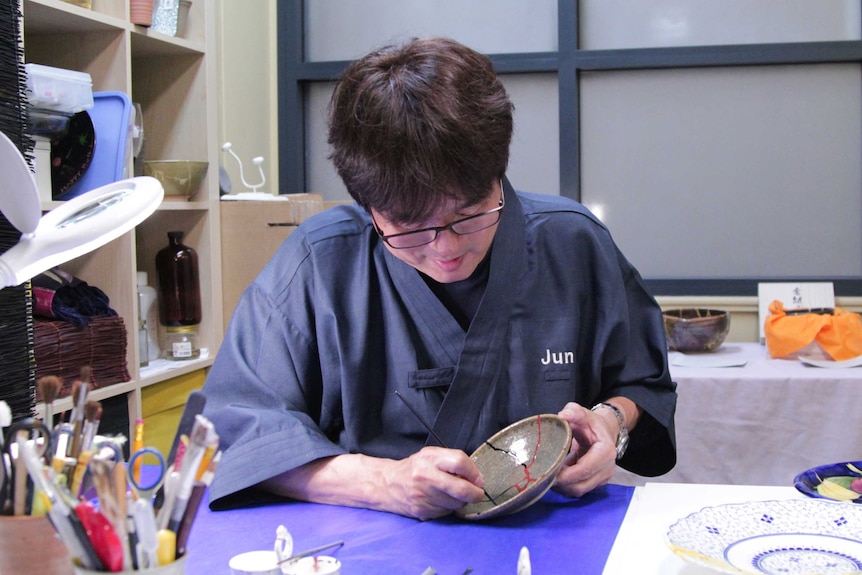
(89, 435)
(421, 420)
(77, 439)
(118, 475)
(20, 487)
(194, 406)
(189, 516)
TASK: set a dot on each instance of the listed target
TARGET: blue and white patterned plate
(793, 537)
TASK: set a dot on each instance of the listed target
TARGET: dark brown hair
(414, 125)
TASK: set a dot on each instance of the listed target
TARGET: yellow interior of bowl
(178, 177)
(694, 314)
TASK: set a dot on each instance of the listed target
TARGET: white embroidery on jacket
(558, 357)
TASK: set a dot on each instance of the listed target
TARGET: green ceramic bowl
(519, 464)
(178, 177)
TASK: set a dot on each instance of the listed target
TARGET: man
(478, 304)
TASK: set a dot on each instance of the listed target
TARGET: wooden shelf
(148, 43)
(174, 81)
(53, 17)
(161, 369)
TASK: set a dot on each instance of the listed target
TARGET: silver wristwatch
(623, 437)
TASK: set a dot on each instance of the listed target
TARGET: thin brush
(86, 374)
(92, 417)
(433, 433)
(49, 387)
(315, 551)
(77, 418)
(202, 429)
(76, 394)
(121, 488)
(208, 475)
(5, 496)
(421, 419)
(212, 443)
(19, 486)
(195, 403)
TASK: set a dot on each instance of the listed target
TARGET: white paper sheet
(640, 546)
(794, 296)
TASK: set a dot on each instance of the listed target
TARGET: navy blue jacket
(335, 324)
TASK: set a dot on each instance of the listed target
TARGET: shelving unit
(174, 81)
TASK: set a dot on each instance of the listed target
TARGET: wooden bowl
(695, 329)
(519, 464)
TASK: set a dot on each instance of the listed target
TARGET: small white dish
(255, 563)
(827, 363)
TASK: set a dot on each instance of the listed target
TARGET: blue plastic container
(112, 116)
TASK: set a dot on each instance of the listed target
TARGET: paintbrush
(194, 406)
(315, 551)
(49, 387)
(5, 470)
(433, 433)
(422, 421)
(79, 396)
(92, 417)
(201, 431)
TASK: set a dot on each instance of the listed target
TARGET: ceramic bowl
(178, 177)
(838, 481)
(519, 464)
(695, 329)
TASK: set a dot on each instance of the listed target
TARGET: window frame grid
(294, 73)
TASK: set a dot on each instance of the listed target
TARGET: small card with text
(794, 295)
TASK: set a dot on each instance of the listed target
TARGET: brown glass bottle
(178, 282)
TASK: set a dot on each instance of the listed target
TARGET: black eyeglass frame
(438, 229)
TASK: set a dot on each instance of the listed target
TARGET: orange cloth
(840, 335)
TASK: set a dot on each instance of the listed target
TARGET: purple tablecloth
(563, 536)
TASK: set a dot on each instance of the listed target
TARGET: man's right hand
(432, 482)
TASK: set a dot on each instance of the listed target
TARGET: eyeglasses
(462, 227)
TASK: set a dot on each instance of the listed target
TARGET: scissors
(15, 486)
(82, 479)
(143, 487)
(109, 447)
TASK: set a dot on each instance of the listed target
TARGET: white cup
(178, 567)
(255, 563)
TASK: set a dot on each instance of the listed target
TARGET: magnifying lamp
(75, 228)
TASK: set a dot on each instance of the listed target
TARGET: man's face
(450, 257)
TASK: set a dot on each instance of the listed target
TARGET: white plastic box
(58, 89)
(42, 153)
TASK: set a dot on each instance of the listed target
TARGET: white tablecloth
(640, 544)
(762, 423)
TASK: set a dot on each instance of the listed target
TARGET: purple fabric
(563, 535)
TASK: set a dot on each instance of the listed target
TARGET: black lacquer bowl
(695, 329)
